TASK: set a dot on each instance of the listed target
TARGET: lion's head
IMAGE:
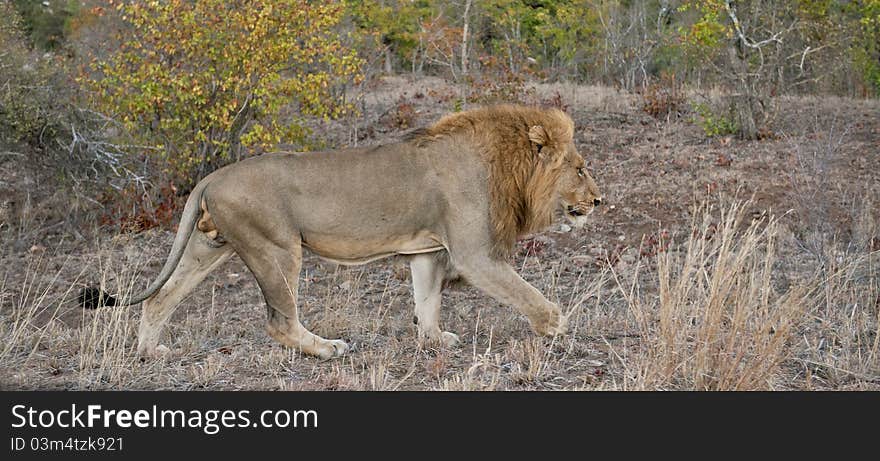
(534, 167)
(576, 190)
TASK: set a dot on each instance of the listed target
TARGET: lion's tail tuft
(93, 298)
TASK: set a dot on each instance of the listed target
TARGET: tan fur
(452, 197)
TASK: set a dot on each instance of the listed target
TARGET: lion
(452, 197)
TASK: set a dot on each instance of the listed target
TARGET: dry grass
(716, 322)
(706, 314)
(840, 341)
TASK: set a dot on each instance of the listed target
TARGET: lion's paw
(335, 348)
(448, 339)
(555, 323)
(156, 352)
(445, 339)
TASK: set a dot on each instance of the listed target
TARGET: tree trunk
(745, 100)
(388, 68)
(464, 38)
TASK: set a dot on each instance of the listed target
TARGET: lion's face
(578, 193)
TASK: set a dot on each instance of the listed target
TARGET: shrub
(403, 115)
(65, 148)
(31, 107)
(712, 123)
(498, 83)
(45, 22)
(663, 99)
(200, 80)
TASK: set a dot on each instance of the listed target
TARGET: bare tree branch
(731, 13)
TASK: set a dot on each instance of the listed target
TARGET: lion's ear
(538, 135)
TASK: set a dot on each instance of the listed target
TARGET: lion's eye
(581, 172)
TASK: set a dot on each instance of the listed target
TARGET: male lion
(453, 197)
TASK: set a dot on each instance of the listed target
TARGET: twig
(860, 376)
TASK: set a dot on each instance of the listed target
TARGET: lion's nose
(597, 201)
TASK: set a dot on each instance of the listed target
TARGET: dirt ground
(817, 174)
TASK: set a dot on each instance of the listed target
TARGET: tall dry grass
(28, 311)
(840, 340)
(97, 347)
(107, 336)
(716, 321)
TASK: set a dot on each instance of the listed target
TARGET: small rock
(564, 228)
(345, 286)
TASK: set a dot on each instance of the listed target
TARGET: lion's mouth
(577, 216)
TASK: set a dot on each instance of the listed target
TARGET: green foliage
(712, 123)
(866, 47)
(458, 105)
(574, 27)
(517, 33)
(569, 35)
(199, 80)
(398, 24)
(31, 103)
(703, 38)
(630, 43)
(46, 24)
(513, 29)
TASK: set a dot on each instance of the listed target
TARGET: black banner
(132, 425)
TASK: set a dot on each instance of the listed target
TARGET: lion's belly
(363, 250)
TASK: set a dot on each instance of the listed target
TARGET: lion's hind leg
(201, 256)
(277, 272)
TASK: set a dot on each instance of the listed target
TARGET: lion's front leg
(427, 276)
(500, 281)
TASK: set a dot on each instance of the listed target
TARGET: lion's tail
(93, 297)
